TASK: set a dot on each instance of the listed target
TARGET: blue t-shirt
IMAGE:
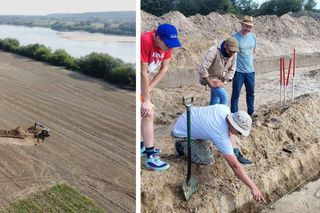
(245, 55)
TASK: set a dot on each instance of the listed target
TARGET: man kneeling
(217, 124)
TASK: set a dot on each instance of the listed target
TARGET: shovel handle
(187, 100)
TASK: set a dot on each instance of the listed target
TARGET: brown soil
(275, 172)
(92, 146)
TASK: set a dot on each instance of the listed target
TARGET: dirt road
(93, 142)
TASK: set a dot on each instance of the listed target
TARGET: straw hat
(248, 20)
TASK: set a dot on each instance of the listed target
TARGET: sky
(261, 1)
(44, 7)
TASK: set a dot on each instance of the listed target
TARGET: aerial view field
(92, 142)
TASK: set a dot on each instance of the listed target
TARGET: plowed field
(92, 146)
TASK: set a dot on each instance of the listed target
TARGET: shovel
(190, 186)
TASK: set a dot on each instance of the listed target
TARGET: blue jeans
(238, 80)
(219, 96)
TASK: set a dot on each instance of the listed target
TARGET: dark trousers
(238, 80)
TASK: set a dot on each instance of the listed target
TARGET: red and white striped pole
(293, 72)
(284, 80)
(280, 62)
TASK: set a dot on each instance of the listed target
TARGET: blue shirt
(245, 55)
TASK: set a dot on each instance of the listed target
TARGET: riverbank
(97, 65)
(85, 36)
(76, 43)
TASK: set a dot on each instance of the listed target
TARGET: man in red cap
(156, 50)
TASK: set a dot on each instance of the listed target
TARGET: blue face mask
(223, 51)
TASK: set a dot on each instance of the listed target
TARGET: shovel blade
(190, 188)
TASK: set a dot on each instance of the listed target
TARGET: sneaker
(244, 161)
(154, 163)
(143, 151)
(253, 115)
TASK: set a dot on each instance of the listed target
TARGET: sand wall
(177, 77)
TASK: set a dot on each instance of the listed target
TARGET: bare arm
(145, 81)
(159, 76)
(242, 175)
(146, 106)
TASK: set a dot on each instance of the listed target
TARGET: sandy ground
(84, 36)
(92, 146)
(307, 200)
(275, 172)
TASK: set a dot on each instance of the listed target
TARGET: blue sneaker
(143, 151)
(241, 159)
(154, 163)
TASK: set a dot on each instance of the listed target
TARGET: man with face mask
(245, 73)
(218, 68)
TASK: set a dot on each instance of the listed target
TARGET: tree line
(238, 7)
(116, 22)
(125, 28)
(96, 65)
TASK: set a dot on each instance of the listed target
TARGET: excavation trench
(276, 172)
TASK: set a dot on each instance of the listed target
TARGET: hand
(218, 83)
(257, 195)
(146, 108)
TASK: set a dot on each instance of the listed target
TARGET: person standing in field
(218, 68)
(245, 73)
(156, 51)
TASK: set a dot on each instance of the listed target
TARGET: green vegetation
(238, 7)
(118, 23)
(125, 28)
(59, 198)
(97, 65)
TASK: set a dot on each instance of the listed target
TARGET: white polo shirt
(207, 123)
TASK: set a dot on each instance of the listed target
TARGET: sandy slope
(93, 142)
(275, 35)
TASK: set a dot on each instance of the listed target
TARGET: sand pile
(275, 35)
(275, 171)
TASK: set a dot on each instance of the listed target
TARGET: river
(77, 44)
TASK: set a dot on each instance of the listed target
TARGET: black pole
(189, 142)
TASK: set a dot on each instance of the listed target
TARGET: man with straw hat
(217, 124)
(245, 73)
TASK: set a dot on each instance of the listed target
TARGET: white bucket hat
(241, 121)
